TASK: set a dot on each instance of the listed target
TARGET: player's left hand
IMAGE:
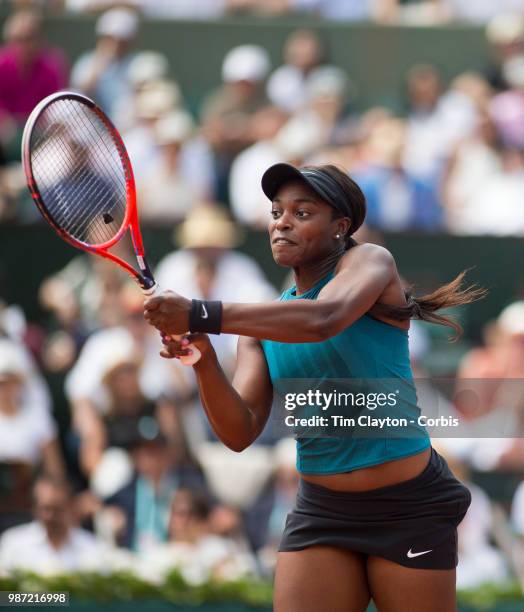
(181, 348)
(168, 312)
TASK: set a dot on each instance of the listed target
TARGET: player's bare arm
(363, 276)
(239, 410)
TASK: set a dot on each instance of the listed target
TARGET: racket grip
(185, 359)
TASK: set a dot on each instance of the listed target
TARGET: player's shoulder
(368, 252)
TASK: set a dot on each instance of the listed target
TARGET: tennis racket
(80, 178)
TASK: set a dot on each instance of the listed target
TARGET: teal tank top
(367, 349)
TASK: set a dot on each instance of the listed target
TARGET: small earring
(337, 236)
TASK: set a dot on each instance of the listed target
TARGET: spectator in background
(517, 520)
(326, 97)
(13, 332)
(505, 34)
(165, 194)
(287, 85)
(84, 384)
(29, 71)
(285, 486)
(479, 562)
(505, 187)
(151, 102)
(436, 122)
(83, 296)
(488, 163)
(396, 199)
(58, 296)
(28, 438)
(292, 141)
(227, 114)
(488, 396)
(13, 323)
(144, 503)
(474, 161)
(51, 543)
(103, 73)
(423, 146)
(507, 107)
(154, 99)
(128, 411)
(501, 357)
(199, 554)
(145, 68)
(127, 407)
(244, 71)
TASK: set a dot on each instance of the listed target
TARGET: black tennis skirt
(413, 523)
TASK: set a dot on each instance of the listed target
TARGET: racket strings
(77, 186)
(86, 184)
(79, 172)
(71, 203)
(100, 132)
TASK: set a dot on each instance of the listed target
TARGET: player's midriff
(375, 476)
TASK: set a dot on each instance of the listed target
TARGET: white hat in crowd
(513, 71)
(118, 354)
(156, 99)
(506, 28)
(327, 82)
(147, 66)
(118, 23)
(12, 363)
(511, 319)
(300, 137)
(175, 127)
(246, 63)
(208, 226)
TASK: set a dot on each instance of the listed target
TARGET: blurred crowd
(424, 12)
(106, 458)
(454, 149)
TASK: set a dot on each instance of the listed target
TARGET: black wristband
(205, 316)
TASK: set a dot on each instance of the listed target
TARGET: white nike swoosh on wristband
(204, 314)
(412, 554)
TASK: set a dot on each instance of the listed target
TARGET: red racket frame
(145, 276)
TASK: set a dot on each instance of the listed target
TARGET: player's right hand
(174, 349)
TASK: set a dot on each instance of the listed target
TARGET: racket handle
(185, 359)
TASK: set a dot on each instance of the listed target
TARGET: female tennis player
(374, 517)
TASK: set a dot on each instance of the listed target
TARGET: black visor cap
(279, 174)
(325, 187)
